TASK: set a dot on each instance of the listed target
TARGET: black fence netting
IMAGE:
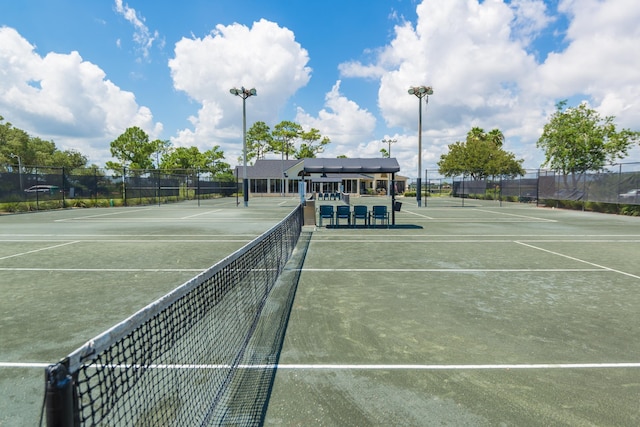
(617, 184)
(45, 185)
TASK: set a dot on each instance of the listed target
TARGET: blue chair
(326, 212)
(343, 212)
(379, 213)
(360, 212)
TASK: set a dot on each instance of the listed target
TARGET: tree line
(135, 150)
(575, 140)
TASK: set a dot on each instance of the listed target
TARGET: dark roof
(268, 168)
(327, 178)
(376, 165)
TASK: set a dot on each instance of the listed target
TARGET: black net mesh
(203, 355)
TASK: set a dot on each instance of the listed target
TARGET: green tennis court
(475, 314)
(70, 275)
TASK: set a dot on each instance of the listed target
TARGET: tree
(480, 156)
(312, 144)
(33, 151)
(259, 141)
(577, 140)
(133, 150)
(162, 147)
(212, 162)
(71, 159)
(284, 134)
(181, 158)
(190, 158)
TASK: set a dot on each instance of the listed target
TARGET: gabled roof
(375, 165)
(268, 168)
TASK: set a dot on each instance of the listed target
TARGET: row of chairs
(360, 212)
(329, 196)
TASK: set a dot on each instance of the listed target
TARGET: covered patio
(323, 167)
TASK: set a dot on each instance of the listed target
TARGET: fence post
(538, 189)
(124, 186)
(63, 187)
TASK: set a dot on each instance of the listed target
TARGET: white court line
(101, 215)
(386, 367)
(202, 213)
(519, 236)
(520, 216)
(455, 270)
(170, 219)
(39, 250)
(489, 220)
(137, 241)
(579, 260)
(420, 215)
(67, 236)
(23, 365)
(463, 367)
(409, 241)
(109, 270)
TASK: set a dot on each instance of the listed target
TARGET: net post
(59, 396)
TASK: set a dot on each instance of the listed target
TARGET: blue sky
(80, 72)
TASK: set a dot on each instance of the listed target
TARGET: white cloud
(343, 121)
(530, 18)
(480, 59)
(265, 57)
(64, 98)
(142, 36)
(601, 60)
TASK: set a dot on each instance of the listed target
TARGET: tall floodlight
(244, 94)
(420, 92)
(389, 141)
(15, 156)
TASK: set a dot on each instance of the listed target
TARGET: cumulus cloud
(482, 60)
(601, 60)
(265, 57)
(342, 120)
(65, 98)
(142, 36)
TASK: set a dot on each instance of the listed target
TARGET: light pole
(15, 156)
(389, 141)
(420, 92)
(244, 94)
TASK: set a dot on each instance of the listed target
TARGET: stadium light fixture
(244, 94)
(15, 156)
(420, 92)
(389, 141)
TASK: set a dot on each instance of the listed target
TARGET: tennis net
(201, 355)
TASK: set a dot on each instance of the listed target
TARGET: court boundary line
(520, 216)
(458, 270)
(201, 213)
(417, 214)
(132, 240)
(109, 270)
(328, 366)
(579, 260)
(99, 215)
(39, 250)
(472, 241)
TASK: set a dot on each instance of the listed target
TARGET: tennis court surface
(485, 314)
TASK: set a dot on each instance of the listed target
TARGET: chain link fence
(616, 184)
(35, 187)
